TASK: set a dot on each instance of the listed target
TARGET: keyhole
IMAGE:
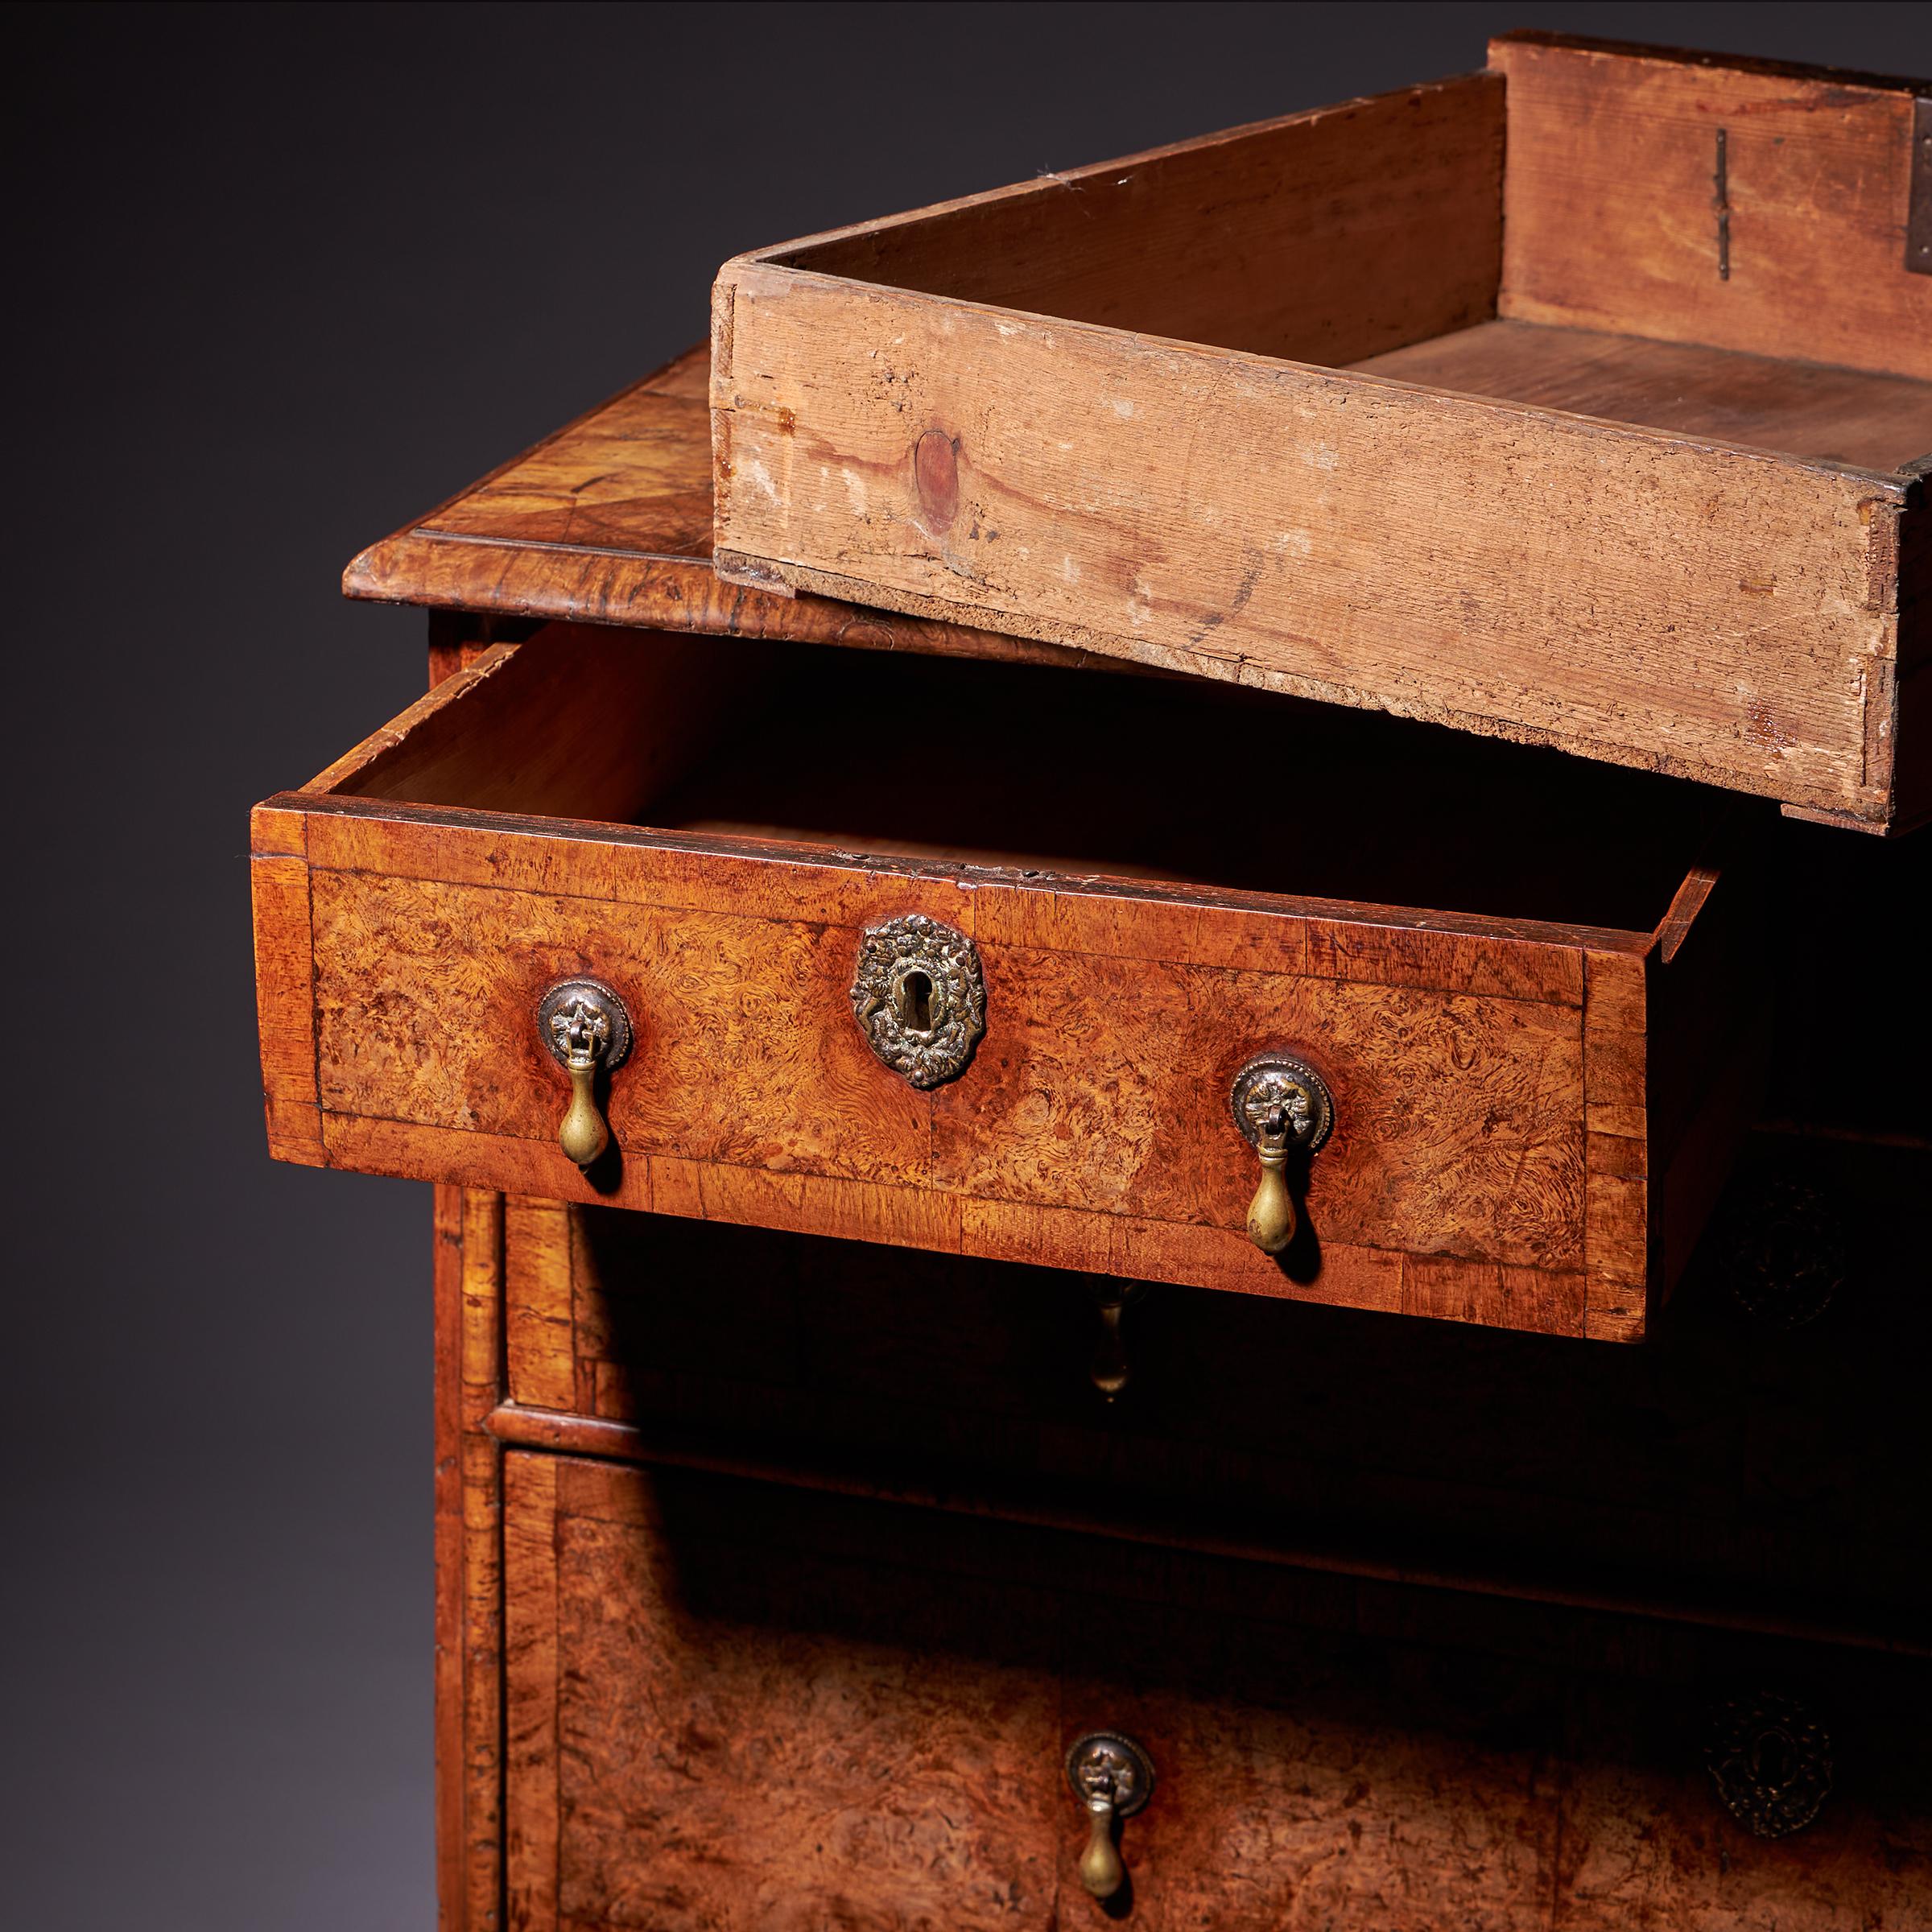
(915, 1002)
(1771, 1759)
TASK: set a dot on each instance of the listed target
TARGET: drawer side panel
(1326, 236)
(1627, 595)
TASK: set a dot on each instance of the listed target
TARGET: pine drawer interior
(1584, 400)
(1547, 232)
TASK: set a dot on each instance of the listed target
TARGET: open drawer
(1517, 986)
(1581, 401)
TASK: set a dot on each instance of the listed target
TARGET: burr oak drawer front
(736, 1705)
(1112, 973)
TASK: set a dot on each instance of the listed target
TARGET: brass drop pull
(1271, 1213)
(1283, 1109)
(1112, 1777)
(1108, 1371)
(587, 1031)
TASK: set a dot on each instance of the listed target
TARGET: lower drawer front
(1776, 1476)
(730, 1705)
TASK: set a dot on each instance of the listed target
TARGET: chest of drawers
(1024, 1253)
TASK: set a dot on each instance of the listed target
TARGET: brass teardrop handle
(1112, 1777)
(1283, 1108)
(586, 1030)
(1108, 1371)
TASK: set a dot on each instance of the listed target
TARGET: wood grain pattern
(764, 1708)
(1644, 1849)
(608, 521)
(1458, 1122)
(452, 1841)
(765, 1736)
(1616, 1079)
(1464, 1120)
(1090, 1130)
(1623, 593)
(285, 993)
(532, 1785)
(539, 1322)
(1023, 411)
(1311, 1783)
(1612, 213)
(469, 1296)
(1321, 237)
(1853, 416)
(1105, 1089)
(740, 1735)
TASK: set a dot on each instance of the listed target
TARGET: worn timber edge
(641, 585)
(468, 1278)
(1736, 64)
(1881, 820)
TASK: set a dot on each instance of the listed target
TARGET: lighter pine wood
(1853, 416)
(1611, 205)
(1706, 610)
(1704, 581)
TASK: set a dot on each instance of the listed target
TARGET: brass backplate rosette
(1279, 1081)
(1770, 1760)
(919, 997)
(593, 1001)
(1110, 1765)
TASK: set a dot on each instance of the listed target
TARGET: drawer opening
(1047, 771)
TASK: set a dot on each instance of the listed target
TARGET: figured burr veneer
(1530, 1067)
(728, 1705)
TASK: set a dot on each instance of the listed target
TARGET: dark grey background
(279, 278)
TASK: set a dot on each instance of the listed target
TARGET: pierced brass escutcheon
(1112, 1777)
(1770, 1761)
(586, 1030)
(1282, 1107)
(919, 997)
